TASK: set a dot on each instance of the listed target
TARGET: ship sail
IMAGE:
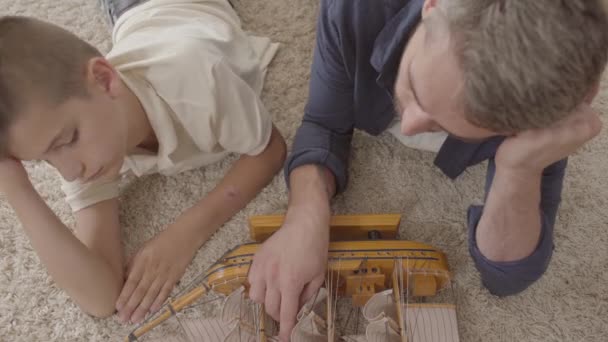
(384, 287)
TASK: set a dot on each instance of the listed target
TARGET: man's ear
(428, 7)
(436, 25)
(100, 75)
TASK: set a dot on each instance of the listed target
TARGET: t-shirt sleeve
(81, 195)
(241, 123)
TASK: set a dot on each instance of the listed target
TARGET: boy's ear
(101, 75)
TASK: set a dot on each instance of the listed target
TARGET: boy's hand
(289, 268)
(532, 151)
(12, 175)
(152, 274)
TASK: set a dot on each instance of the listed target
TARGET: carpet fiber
(570, 303)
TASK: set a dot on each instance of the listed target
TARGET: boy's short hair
(526, 64)
(38, 60)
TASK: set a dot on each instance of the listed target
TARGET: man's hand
(290, 267)
(12, 175)
(152, 273)
(531, 151)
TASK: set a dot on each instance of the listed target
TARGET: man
(505, 81)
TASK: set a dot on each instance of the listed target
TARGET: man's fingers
(593, 124)
(580, 128)
(310, 290)
(290, 299)
(146, 302)
(273, 303)
(257, 284)
(257, 292)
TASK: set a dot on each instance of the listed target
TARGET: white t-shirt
(198, 77)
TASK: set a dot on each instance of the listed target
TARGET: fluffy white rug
(570, 303)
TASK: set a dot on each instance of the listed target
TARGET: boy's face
(83, 138)
(428, 88)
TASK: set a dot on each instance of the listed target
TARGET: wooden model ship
(377, 289)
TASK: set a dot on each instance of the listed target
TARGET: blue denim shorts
(113, 9)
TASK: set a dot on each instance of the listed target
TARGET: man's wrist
(309, 205)
(519, 172)
(515, 178)
(312, 180)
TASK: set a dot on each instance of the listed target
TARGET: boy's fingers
(133, 279)
(128, 266)
(136, 298)
(147, 301)
(162, 296)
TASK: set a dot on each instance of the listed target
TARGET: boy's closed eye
(68, 141)
(74, 137)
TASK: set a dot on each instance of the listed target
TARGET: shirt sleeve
(325, 134)
(242, 123)
(81, 195)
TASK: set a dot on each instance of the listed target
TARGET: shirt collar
(455, 155)
(390, 43)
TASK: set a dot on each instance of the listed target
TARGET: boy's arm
(90, 279)
(161, 263)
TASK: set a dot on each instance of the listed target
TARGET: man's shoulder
(348, 10)
(364, 4)
(358, 20)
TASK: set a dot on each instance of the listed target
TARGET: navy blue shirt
(356, 58)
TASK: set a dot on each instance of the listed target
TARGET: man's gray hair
(526, 64)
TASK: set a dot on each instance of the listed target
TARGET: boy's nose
(71, 171)
(414, 121)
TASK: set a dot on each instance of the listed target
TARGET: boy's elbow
(102, 302)
(101, 310)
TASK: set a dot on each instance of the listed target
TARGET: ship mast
(398, 293)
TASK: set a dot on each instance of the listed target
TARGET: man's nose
(414, 121)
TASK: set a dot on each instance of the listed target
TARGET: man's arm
(283, 278)
(161, 263)
(85, 274)
(518, 208)
(514, 230)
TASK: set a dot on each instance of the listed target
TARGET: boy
(179, 90)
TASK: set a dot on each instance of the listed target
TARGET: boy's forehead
(32, 131)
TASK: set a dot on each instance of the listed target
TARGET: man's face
(83, 138)
(428, 89)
